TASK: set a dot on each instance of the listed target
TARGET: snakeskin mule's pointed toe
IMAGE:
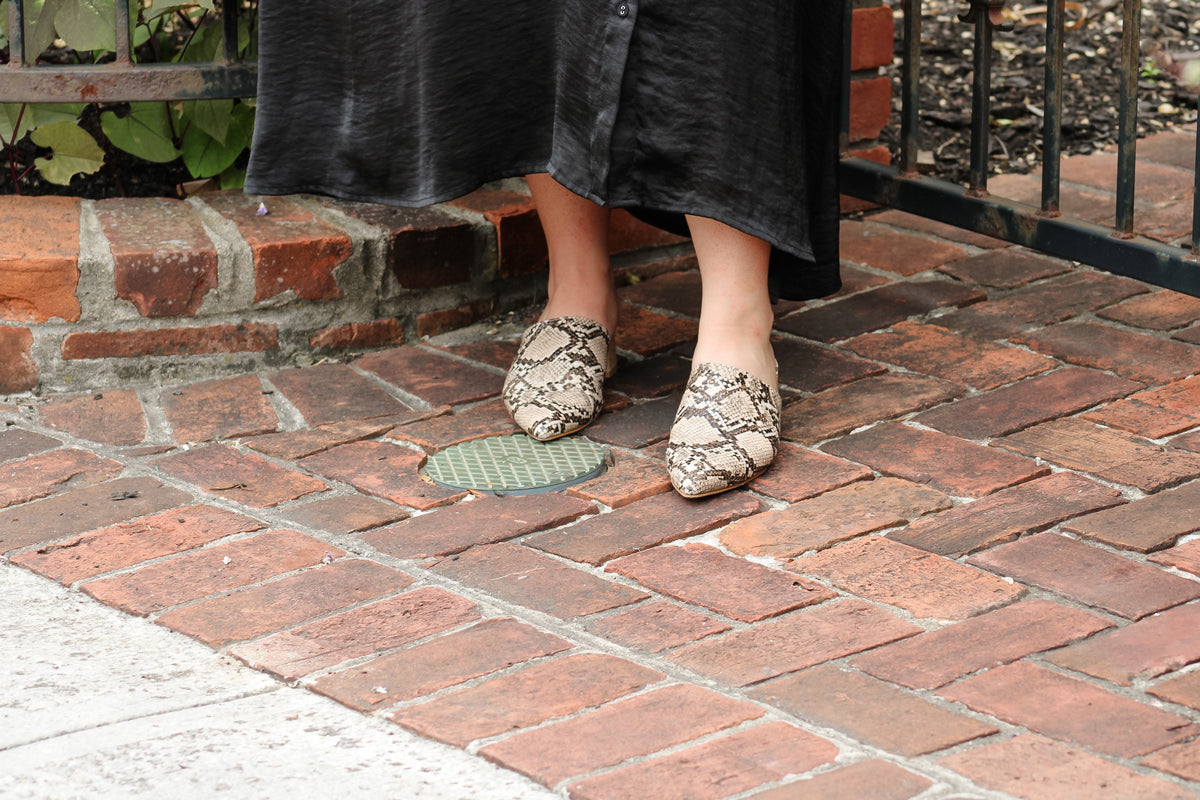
(726, 431)
(555, 385)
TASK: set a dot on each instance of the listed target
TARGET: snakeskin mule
(726, 431)
(555, 385)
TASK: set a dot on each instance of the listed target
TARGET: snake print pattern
(726, 431)
(555, 385)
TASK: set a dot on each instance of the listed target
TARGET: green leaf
(233, 178)
(88, 24)
(75, 152)
(3, 23)
(204, 45)
(205, 156)
(39, 30)
(33, 116)
(146, 132)
(211, 115)
(156, 10)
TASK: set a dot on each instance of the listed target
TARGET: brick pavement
(973, 573)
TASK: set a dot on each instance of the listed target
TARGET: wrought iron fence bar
(1196, 204)
(229, 21)
(981, 95)
(910, 120)
(1052, 108)
(16, 34)
(124, 48)
(1131, 38)
(115, 83)
(1137, 257)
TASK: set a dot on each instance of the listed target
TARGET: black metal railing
(22, 81)
(1118, 249)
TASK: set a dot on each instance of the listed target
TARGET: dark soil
(1091, 89)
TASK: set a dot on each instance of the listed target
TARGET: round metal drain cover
(516, 464)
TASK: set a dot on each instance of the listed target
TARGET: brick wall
(873, 33)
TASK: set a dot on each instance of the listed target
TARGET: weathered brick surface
(879, 780)
(243, 477)
(1036, 768)
(885, 248)
(798, 473)
(637, 425)
(639, 726)
(842, 409)
(443, 429)
(1137, 356)
(243, 337)
(878, 308)
(373, 628)
(808, 367)
(1151, 523)
(498, 353)
(434, 378)
(1069, 709)
(18, 368)
(648, 332)
(130, 543)
(423, 669)
(1181, 759)
(431, 323)
(1155, 183)
(1112, 455)
(676, 291)
(376, 333)
(1154, 413)
(164, 262)
(833, 517)
(520, 243)
(944, 462)
(18, 443)
(655, 376)
(486, 520)
(940, 656)
(870, 107)
(630, 479)
(1007, 514)
(346, 513)
(528, 578)
(1160, 311)
(924, 584)
(219, 568)
(113, 416)
(525, 698)
(1182, 689)
(293, 445)
(872, 31)
(912, 222)
(39, 258)
(804, 639)
(646, 523)
(1088, 575)
(334, 393)
(384, 470)
(870, 711)
(1146, 649)
(225, 408)
(1185, 557)
(50, 472)
(656, 626)
(1005, 268)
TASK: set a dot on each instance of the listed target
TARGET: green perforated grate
(516, 464)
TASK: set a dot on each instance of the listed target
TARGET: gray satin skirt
(726, 110)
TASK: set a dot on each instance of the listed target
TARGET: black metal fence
(1118, 249)
(123, 79)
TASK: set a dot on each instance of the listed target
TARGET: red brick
(1088, 575)
(84, 509)
(924, 584)
(50, 472)
(1141, 651)
(1152, 523)
(384, 470)
(1167, 222)
(630, 479)
(1160, 311)
(703, 575)
(870, 711)
(1185, 557)
(870, 107)
(936, 351)
(880, 154)
(376, 333)
(636, 426)
(1086, 204)
(1190, 335)
(1180, 759)
(129, 543)
(361, 631)
(1041, 304)
(656, 626)
(810, 368)
(647, 332)
(1182, 689)
(526, 698)
(803, 639)
(1007, 268)
(1112, 455)
(334, 393)
(887, 249)
(1007, 514)
(842, 409)
(485, 520)
(520, 243)
(949, 464)
(652, 377)
(878, 780)
(913, 222)
(873, 31)
(878, 308)
(498, 353)
(617, 732)
(163, 261)
(18, 368)
(1136, 356)
(641, 525)
(444, 429)
(715, 769)
(833, 517)
(1034, 768)
(424, 669)
(293, 250)
(293, 445)
(1070, 710)
(242, 477)
(799, 473)
(346, 514)
(243, 337)
(257, 610)
(39, 258)
(626, 232)
(113, 416)
(200, 573)
(1028, 402)
(1154, 183)
(431, 323)
(676, 291)
(528, 578)
(937, 657)
(1155, 413)
(225, 408)
(434, 378)
(19, 443)
(1170, 148)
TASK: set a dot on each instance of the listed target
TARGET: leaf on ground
(146, 132)
(75, 152)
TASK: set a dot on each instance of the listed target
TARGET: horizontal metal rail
(1118, 250)
(123, 79)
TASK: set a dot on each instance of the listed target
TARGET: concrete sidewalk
(974, 571)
